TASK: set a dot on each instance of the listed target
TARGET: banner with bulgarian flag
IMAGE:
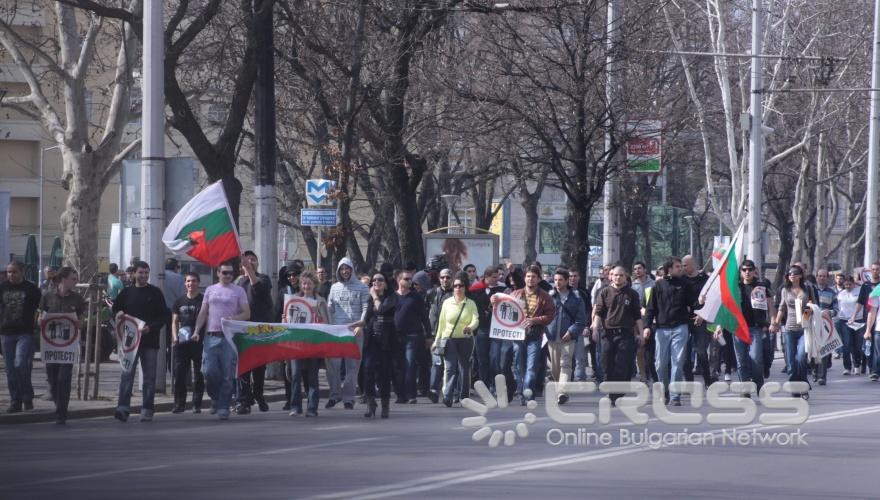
(722, 304)
(262, 343)
(203, 228)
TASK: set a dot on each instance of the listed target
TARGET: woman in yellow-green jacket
(457, 323)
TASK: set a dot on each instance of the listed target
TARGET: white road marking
(491, 472)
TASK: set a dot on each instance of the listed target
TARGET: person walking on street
(481, 293)
(757, 309)
(20, 299)
(410, 324)
(458, 321)
(562, 333)
(64, 300)
(828, 304)
(671, 306)
(348, 302)
(851, 333)
(794, 297)
(258, 288)
(618, 315)
(435, 299)
(187, 346)
(306, 370)
(380, 341)
(146, 303)
(223, 300)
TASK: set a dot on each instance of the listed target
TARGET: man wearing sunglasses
(434, 300)
(224, 300)
(757, 308)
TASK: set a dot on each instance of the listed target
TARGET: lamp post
(40, 214)
(450, 200)
(690, 221)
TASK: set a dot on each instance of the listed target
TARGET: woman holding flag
(308, 367)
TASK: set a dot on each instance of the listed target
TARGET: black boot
(371, 407)
(385, 404)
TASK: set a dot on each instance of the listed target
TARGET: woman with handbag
(380, 340)
(454, 341)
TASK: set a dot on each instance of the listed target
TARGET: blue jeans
(147, 359)
(852, 345)
(501, 354)
(413, 352)
(580, 359)
(218, 365)
(670, 351)
(750, 358)
(296, 368)
(797, 356)
(875, 364)
(18, 351)
(483, 357)
(532, 360)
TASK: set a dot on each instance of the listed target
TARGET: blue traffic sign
(318, 217)
(319, 191)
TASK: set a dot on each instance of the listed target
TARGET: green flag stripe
(244, 341)
(213, 223)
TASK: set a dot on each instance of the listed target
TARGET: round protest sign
(298, 310)
(128, 334)
(60, 330)
(508, 312)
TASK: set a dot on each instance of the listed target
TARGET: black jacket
(379, 325)
(672, 303)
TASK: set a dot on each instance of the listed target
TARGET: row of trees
(401, 102)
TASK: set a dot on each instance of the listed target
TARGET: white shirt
(846, 303)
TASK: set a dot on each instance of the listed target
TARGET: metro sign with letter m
(319, 193)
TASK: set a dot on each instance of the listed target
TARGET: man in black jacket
(258, 288)
(700, 341)
(481, 292)
(434, 301)
(146, 303)
(671, 306)
(411, 324)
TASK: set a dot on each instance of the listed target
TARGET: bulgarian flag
(722, 304)
(203, 228)
(261, 343)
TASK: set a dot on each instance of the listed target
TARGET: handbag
(440, 344)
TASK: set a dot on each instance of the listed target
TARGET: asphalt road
(423, 451)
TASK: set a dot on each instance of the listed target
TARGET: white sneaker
(727, 377)
(846, 372)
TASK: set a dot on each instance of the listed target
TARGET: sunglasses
(406, 279)
(444, 277)
(794, 274)
(227, 273)
(458, 285)
(378, 280)
(747, 269)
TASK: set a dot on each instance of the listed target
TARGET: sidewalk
(105, 403)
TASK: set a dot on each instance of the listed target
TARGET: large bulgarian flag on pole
(722, 304)
(262, 343)
(203, 228)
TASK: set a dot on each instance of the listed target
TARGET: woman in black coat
(380, 339)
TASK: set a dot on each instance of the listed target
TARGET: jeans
(797, 356)
(501, 353)
(769, 344)
(875, 364)
(580, 359)
(59, 383)
(458, 366)
(561, 354)
(296, 369)
(750, 358)
(147, 358)
(343, 389)
(18, 351)
(532, 362)
(670, 351)
(218, 366)
(482, 356)
(415, 344)
(186, 355)
(852, 345)
(618, 357)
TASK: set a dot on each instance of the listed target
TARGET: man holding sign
(146, 303)
(59, 329)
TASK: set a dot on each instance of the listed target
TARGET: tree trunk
(79, 221)
(530, 206)
(576, 249)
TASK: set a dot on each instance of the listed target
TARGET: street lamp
(450, 200)
(40, 237)
(690, 221)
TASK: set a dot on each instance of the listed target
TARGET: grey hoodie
(348, 300)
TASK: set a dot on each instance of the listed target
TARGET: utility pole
(871, 219)
(153, 160)
(265, 206)
(756, 141)
(610, 207)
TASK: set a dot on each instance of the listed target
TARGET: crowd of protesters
(426, 333)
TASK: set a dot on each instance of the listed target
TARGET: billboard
(457, 250)
(644, 147)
